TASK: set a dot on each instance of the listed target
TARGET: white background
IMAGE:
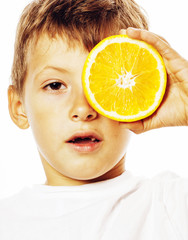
(148, 154)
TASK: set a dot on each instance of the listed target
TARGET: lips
(85, 141)
(81, 140)
(92, 136)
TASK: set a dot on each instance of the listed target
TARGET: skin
(56, 115)
(51, 116)
(168, 114)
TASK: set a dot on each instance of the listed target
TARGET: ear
(16, 108)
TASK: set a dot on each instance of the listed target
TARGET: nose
(81, 110)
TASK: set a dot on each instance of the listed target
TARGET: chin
(91, 175)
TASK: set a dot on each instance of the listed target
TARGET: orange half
(124, 79)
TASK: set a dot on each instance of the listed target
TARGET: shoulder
(166, 176)
(7, 200)
(170, 191)
(168, 183)
(12, 203)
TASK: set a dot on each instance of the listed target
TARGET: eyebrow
(59, 69)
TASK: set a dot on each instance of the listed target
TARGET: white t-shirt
(123, 208)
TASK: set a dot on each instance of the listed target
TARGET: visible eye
(55, 86)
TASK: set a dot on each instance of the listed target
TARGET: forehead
(55, 51)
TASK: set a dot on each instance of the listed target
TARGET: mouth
(81, 140)
(85, 142)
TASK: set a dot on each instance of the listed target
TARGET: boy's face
(72, 138)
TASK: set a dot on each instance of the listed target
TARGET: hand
(173, 110)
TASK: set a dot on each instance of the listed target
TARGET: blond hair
(83, 21)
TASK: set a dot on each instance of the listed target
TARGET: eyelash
(55, 86)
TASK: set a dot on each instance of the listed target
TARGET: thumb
(136, 127)
(155, 40)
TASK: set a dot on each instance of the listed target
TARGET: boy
(88, 194)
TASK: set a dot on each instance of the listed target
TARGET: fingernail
(131, 29)
(122, 31)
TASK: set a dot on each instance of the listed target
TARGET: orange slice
(124, 79)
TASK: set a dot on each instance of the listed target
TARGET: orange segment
(124, 79)
(129, 54)
(144, 62)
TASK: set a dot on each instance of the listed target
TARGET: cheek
(118, 138)
(43, 110)
(125, 136)
(46, 120)
(122, 141)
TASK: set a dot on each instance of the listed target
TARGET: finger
(136, 127)
(156, 41)
(123, 32)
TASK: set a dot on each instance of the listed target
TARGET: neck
(55, 178)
